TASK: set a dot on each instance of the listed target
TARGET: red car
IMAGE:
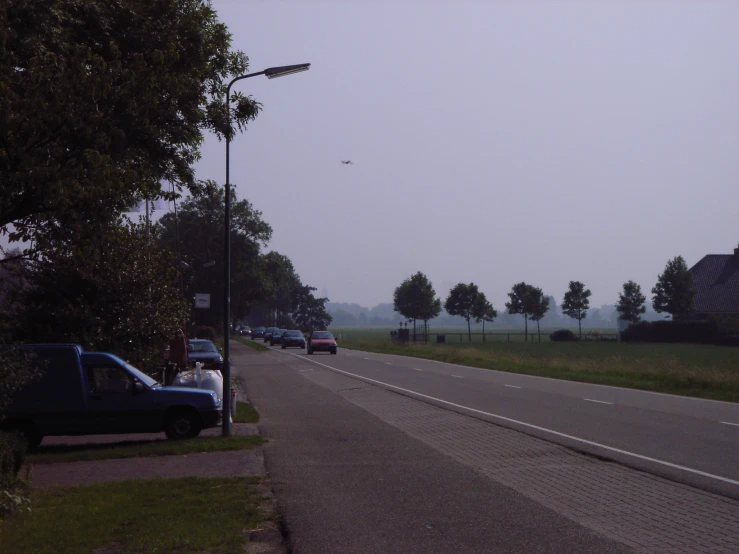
(321, 341)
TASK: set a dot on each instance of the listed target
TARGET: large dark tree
(576, 303)
(630, 303)
(199, 227)
(415, 298)
(103, 103)
(462, 301)
(674, 292)
(522, 302)
(310, 312)
(118, 292)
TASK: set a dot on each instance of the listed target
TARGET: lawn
(702, 371)
(144, 448)
(155, 515)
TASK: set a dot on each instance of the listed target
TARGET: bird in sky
(347, 162)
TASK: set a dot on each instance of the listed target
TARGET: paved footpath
(357, 468)
(345, 481)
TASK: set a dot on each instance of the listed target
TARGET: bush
(205, 332)
(14, 493)
(563, 335)
(672, 331)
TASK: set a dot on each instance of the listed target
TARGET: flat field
(697, 370)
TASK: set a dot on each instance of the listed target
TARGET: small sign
(202, 300)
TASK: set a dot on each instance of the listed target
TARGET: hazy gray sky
(492, 142)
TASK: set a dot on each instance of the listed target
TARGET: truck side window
(106, 379)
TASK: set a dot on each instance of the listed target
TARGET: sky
(491, 141)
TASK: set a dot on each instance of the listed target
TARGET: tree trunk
(483, 330)
(526, 328)
(469, 330)
(579, 325)
(538, 329)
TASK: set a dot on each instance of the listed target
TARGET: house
(716, 279)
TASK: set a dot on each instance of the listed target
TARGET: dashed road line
(729, 423)
(512, 386)
(458, 376)
(598, 401)
(416, 369)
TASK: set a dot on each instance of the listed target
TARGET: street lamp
(271, 73)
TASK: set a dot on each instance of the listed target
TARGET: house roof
(716, 279)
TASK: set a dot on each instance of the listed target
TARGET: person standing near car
(178, 350)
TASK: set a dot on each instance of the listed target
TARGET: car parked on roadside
(321, 341)
(85, 393)
(293, 337)
(245, 331)
(258, 333)
(205, 352)
(277, 337)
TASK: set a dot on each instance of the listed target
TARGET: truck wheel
(182, 424)
(333, 352)
(283, 347)
(310, 351)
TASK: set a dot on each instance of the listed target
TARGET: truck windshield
(140, 375)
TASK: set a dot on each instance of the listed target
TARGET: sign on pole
(202, 300)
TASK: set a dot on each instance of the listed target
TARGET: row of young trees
(415, 299)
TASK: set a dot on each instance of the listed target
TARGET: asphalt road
(346, 482)
(689, 440)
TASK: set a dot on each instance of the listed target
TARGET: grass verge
(144, 448)
(155, 515)
(701, 371)
(245, 413)
(252, 344)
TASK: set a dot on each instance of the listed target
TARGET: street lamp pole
(271, 73)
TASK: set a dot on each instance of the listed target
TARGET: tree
(521, 302)
(539, 305)
(483, 311)
(105, 103)
(415, 298)
(576, 303)
(630, 303)
(674, 292)
(118, 291)
(197, 233)
(310, 312)
(461, 301)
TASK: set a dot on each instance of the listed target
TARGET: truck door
(115, 404)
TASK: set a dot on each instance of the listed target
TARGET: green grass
(156, 515)
(245, 413)
(702, 371)
(252, 344)
(144, 448)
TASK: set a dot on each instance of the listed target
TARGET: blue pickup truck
(84, 393)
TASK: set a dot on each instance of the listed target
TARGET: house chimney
(736, 253)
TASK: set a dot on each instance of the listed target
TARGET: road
(692, 441)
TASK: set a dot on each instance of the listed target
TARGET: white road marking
(512, 386)
(729, 423)
(598, 401)
(416, 369)
(458, 376)
(524, 424)
(368, 358)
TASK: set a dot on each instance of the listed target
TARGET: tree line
(99, 115)
(416, 300)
